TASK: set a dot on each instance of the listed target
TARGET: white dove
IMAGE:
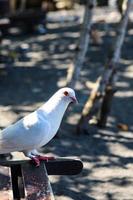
(38, 128)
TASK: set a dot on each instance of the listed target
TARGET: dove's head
(67, 94)
(59, 102)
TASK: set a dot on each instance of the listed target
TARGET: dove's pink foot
(36, 159)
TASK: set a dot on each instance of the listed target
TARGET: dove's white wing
(26, 134)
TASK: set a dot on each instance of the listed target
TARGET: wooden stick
(100, 95)
(107, 98)
(22, 5)
(76, 66)
(12, 4)
(89, 109)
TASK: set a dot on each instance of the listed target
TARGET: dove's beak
(74, 99)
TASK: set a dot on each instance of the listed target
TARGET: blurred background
(40, 42)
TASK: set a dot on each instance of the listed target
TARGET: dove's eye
(66, 93)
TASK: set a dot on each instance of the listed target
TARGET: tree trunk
(75, 68)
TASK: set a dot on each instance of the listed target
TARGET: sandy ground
(107, 154)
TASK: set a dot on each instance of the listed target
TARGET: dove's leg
(33, 157)
(36, 157)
